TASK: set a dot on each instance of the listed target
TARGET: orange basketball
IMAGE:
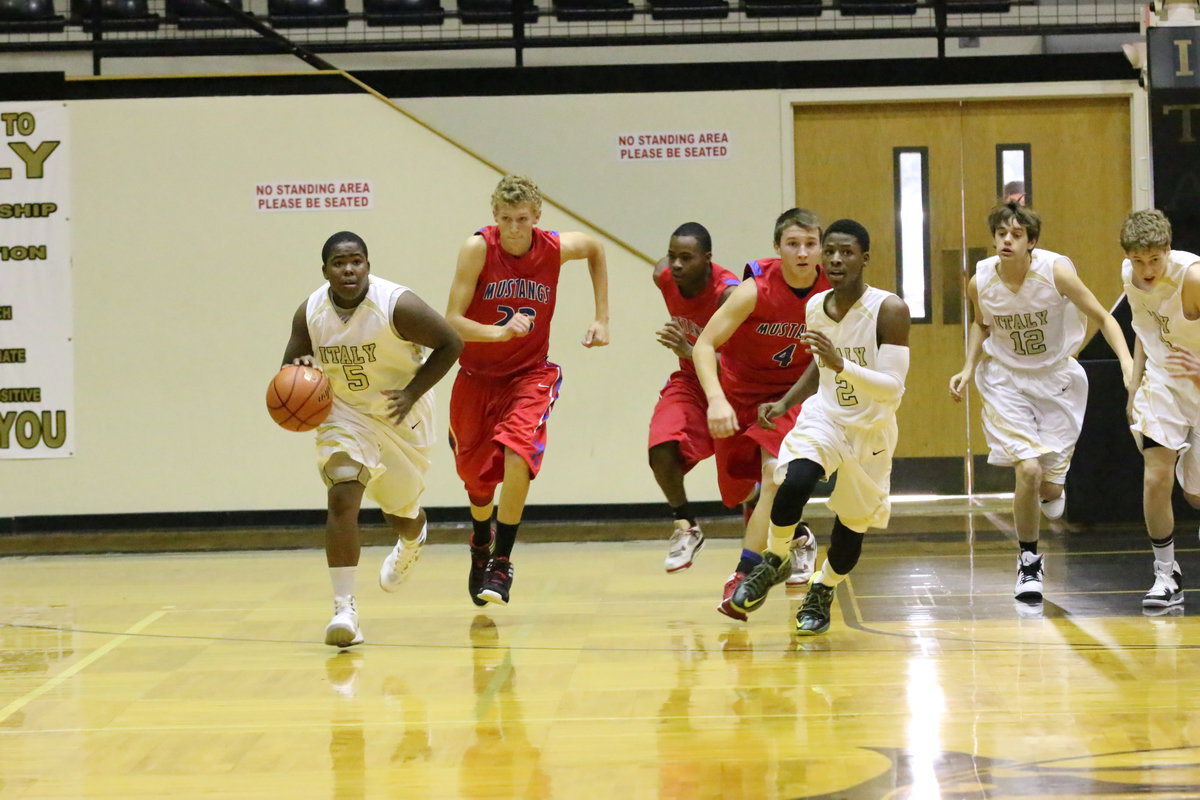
(299, 397)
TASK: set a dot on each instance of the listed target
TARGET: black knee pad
(845, 546)
(791, 498)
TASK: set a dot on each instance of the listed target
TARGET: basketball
(299, 397)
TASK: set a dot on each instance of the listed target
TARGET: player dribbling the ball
(369, 337)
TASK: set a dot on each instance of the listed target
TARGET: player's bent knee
(1051, 491)
(1193, 499)
(341, 468)
(665, 456)
(1160, 482)
(1029, 472)
(845, 548)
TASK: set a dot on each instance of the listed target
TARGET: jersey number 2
(845, 393)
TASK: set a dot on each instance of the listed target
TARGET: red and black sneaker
(498, 582)
(726, 607)
(480, 556)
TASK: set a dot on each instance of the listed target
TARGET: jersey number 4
(508, 312)
(784, 357)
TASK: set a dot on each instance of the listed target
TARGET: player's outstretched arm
(1071, 287)
(466, 275)
(417, 322)
(975, 337)
(299, 348)
(722, 421)
(576, 244)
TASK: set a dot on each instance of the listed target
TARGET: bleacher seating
(584, 10)
(782, 8)
(114, 15)
(859, 8)
(688, 9)
(307, 13)
(199, 15)
(30, 16)
(496, 12)
(403, 12)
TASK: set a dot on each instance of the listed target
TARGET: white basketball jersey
(363, 355)
(1035, 327)
(1158, 317)
(856, 338)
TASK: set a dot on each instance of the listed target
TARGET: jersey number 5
(356, 378)
(508, 312)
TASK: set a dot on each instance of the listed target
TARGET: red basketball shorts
(681, 415)
(739, 458)
(488, 414)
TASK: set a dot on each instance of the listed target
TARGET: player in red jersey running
(693, 287)
(758, 333)
(501, 303)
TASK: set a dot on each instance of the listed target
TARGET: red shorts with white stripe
(681, 415)
(739, 457)
(490, 413)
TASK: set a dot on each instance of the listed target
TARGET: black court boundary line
(584, 79)
(283, 518)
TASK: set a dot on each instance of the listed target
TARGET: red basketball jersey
(764, 355)
(693, 313)
(509, 285)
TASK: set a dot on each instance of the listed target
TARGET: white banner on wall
(673, 146)
(37, 356)
(340, 195)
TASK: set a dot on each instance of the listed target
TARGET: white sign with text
(339, 195)
(673, 146)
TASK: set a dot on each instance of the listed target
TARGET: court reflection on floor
(407, 762)
(501, 762)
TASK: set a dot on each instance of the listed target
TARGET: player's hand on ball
(307, 361)
(768, 412)
(299, 397)
(596, 335)
(722, 422)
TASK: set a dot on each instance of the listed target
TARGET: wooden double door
(1076, 164)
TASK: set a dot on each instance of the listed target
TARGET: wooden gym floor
(203, 675)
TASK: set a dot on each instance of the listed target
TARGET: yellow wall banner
(37, 357)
